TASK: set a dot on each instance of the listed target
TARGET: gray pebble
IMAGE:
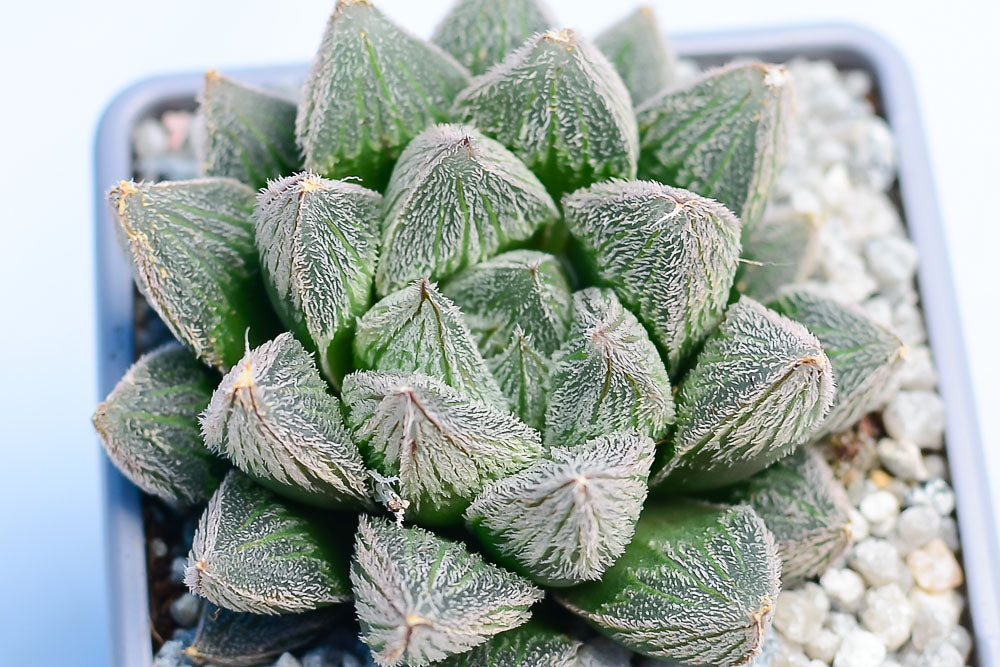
(185, 610)
(916, 416)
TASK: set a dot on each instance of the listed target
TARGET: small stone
(177, 567)
(949, 533)
(841, 623)
(937, 494)
(881, 509)
(934, 567)
(917, 416)
(888, 614)
(185, 610)
(823, 646)
(902, 458)
(329, 656)
(844, 587)
(960, 638)
(880, 310)
(171, 654)
(937, 615)
(941, 654)
(788, 655)
(287, 660)
(799, 614)
(158, 548)
(892, 260)
(908, 324)
(859, 524)
(149, 138)
(937, 467)
(877, 561)
(917, 526)
(918, 369)
(860, 648)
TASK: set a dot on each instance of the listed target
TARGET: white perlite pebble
(878, 562)
(158, 548)
(937, 494)
(800, 613)
(908, 324)
(860, 648)
(844, 587)
(888, 614)
(941, 654)
(960, 638)
(881, 509)
(934, 567)
(287, 660)
(177, 567)
(787, 655)
(918, 369)
(859, 525)
(892, 260)
(902, 458)
(823, 646)
(949, 533)
(917, 526)
(937, 615)
(917, 416)
(937, 467)
(841, 623)
(185, 610)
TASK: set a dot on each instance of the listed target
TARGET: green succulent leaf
(561, 107)
(533, 644)
(761, 386)
(670, 254)
(638, 50)
(421, 598)
(190, 245)
(318, 245)
(372, 87)
(522, 372)
(722, 136)
(443, 446)
(804, 507)
(696, 585)
(480, 33)
(418, 329)
(254, 553)
(273, 418)
(778, 251)
(233, 639)
(865, 355)
(566, 519)
(149, 426)
(607, 377)
(456, 198)
(249, 132)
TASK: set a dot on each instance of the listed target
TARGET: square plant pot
(846, 46)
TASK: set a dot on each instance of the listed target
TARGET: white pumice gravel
(917, 416)
(185, 610)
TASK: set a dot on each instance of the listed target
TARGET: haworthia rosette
(455, 198)
(254, 553)
(721, 136)
(318, 245)
(865, 355)
(639, 51)
(149, 426)
(670, 254)
(761, 386)
(249, 132)
(561, 107)
(190, 245)
(567, 518)
(607, 376)
(421, 598)
(522, 372)
(480, 33)
(417, 329)
(697, 585)
(273, 418)
(443, 446)
(533, 644)
(778, 251)
(371, 88)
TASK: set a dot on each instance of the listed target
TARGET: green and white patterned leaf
(533, 644)
(149, 426)
(561, 107)
(566, 519)
(779, 251)
(273, 418)
(521, 288)
(254, 553)
(697, 585)
(190, 246)
(761, 386)
(443, 446)
(522, 372)
(480, 33)
(865, 355)
(418, 329)
(607, 377)
(421, 598)
(249, 132)
(670, 254)
(372, 87)
(456, 198)
(638, 50)
(318, 245)
(722, 136)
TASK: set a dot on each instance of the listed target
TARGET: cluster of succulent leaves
(483, 335)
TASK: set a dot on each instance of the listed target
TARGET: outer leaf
(561, 107)
(761, 386)
(804, 507)
(670, 255)
(521, 288)
(523, 375)
(531, 645)
(480, 33)
(697, 585)
(443, 446)
(607, 377)
(638, 50)
(419, 329)
(865, 355)
(190, 244)
(149, 426)
(456, 198)
(272, 417)
(421, 598)
(566, 520)
(249, 132)
(318, 244)
(233, 639)
(372, 87)
(722, 136)
(254, 553)
(779, 251)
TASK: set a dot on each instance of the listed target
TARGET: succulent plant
(499, 364)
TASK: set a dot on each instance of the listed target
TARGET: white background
(63, 61)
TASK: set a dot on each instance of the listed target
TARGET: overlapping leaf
(522, 372)
(533, 644)
(638, 50)
(778, 251)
